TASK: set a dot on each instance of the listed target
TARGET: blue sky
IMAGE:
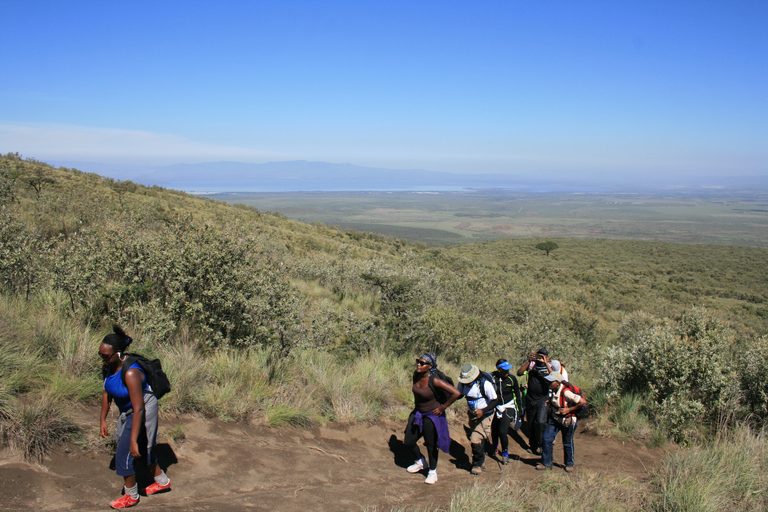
(560, 88)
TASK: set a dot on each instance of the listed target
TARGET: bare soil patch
(234, 466)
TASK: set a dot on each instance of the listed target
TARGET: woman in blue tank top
(136, 430)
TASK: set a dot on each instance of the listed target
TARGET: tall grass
(730, 473)
(34, 427)
(554, 492)
(350, 390)
(237, 382)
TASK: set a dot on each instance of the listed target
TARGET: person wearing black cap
(537, 367)
(508, 391)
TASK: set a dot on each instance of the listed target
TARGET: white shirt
(474, 395)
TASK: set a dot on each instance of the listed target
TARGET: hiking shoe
(431, 478)
(124, 502)
(476, 470)
(156, 488)
(504, 459)
(416, 466)
(542, 467)
(569, 469)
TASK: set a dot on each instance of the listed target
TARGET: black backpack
(441, 395)
(153, 371)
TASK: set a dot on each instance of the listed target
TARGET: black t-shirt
(507, 388)
(538, 386)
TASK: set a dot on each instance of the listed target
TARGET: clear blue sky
(555, 87)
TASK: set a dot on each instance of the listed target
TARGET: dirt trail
(228, 467)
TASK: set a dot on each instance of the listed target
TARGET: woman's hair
(119, 340)
(501, 361)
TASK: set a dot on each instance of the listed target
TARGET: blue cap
(504, 366)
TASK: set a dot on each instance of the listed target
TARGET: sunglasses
(106, 357)
(421, 363)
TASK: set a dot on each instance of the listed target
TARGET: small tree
(547, 246)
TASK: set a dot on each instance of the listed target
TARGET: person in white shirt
(482, 400)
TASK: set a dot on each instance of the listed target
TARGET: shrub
(682, 364)
(754, 377)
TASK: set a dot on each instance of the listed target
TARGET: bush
(683, 365)
(754, 377)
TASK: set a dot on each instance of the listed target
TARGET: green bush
(683, 365)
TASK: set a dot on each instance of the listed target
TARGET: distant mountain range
(301, 175)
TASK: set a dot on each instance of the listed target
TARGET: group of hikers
(495, 402)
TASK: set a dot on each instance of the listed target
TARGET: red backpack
(582, 411)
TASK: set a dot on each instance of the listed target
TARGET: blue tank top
(114, 386)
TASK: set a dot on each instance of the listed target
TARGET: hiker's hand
(439, 411)
(135, 450)
(562, 411)
(104, 430)
(479, 413)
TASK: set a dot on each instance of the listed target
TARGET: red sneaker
(124, 502)
(156, 488)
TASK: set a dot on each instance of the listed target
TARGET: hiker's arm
(518, 396)
(572, 410)
(491, 406)
(521, 371)
(133, 380)
(105, 401)
(545, 360)
(455, 395)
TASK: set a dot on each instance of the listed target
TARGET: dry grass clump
(554, 492)
(284, 415)
(728, 474)
(34, 427)
(348, 390)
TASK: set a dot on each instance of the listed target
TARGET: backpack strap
(130, 360)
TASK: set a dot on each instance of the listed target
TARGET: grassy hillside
(258, 317)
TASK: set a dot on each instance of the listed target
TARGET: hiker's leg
(481, 432)
(495, 432)
(123, 458)
(550, 432)
(430, 441)
(150, 427)
(411, 439)
(478, 455)
(124, 461)
(539, 414)
(568, 447)
(503, 426)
